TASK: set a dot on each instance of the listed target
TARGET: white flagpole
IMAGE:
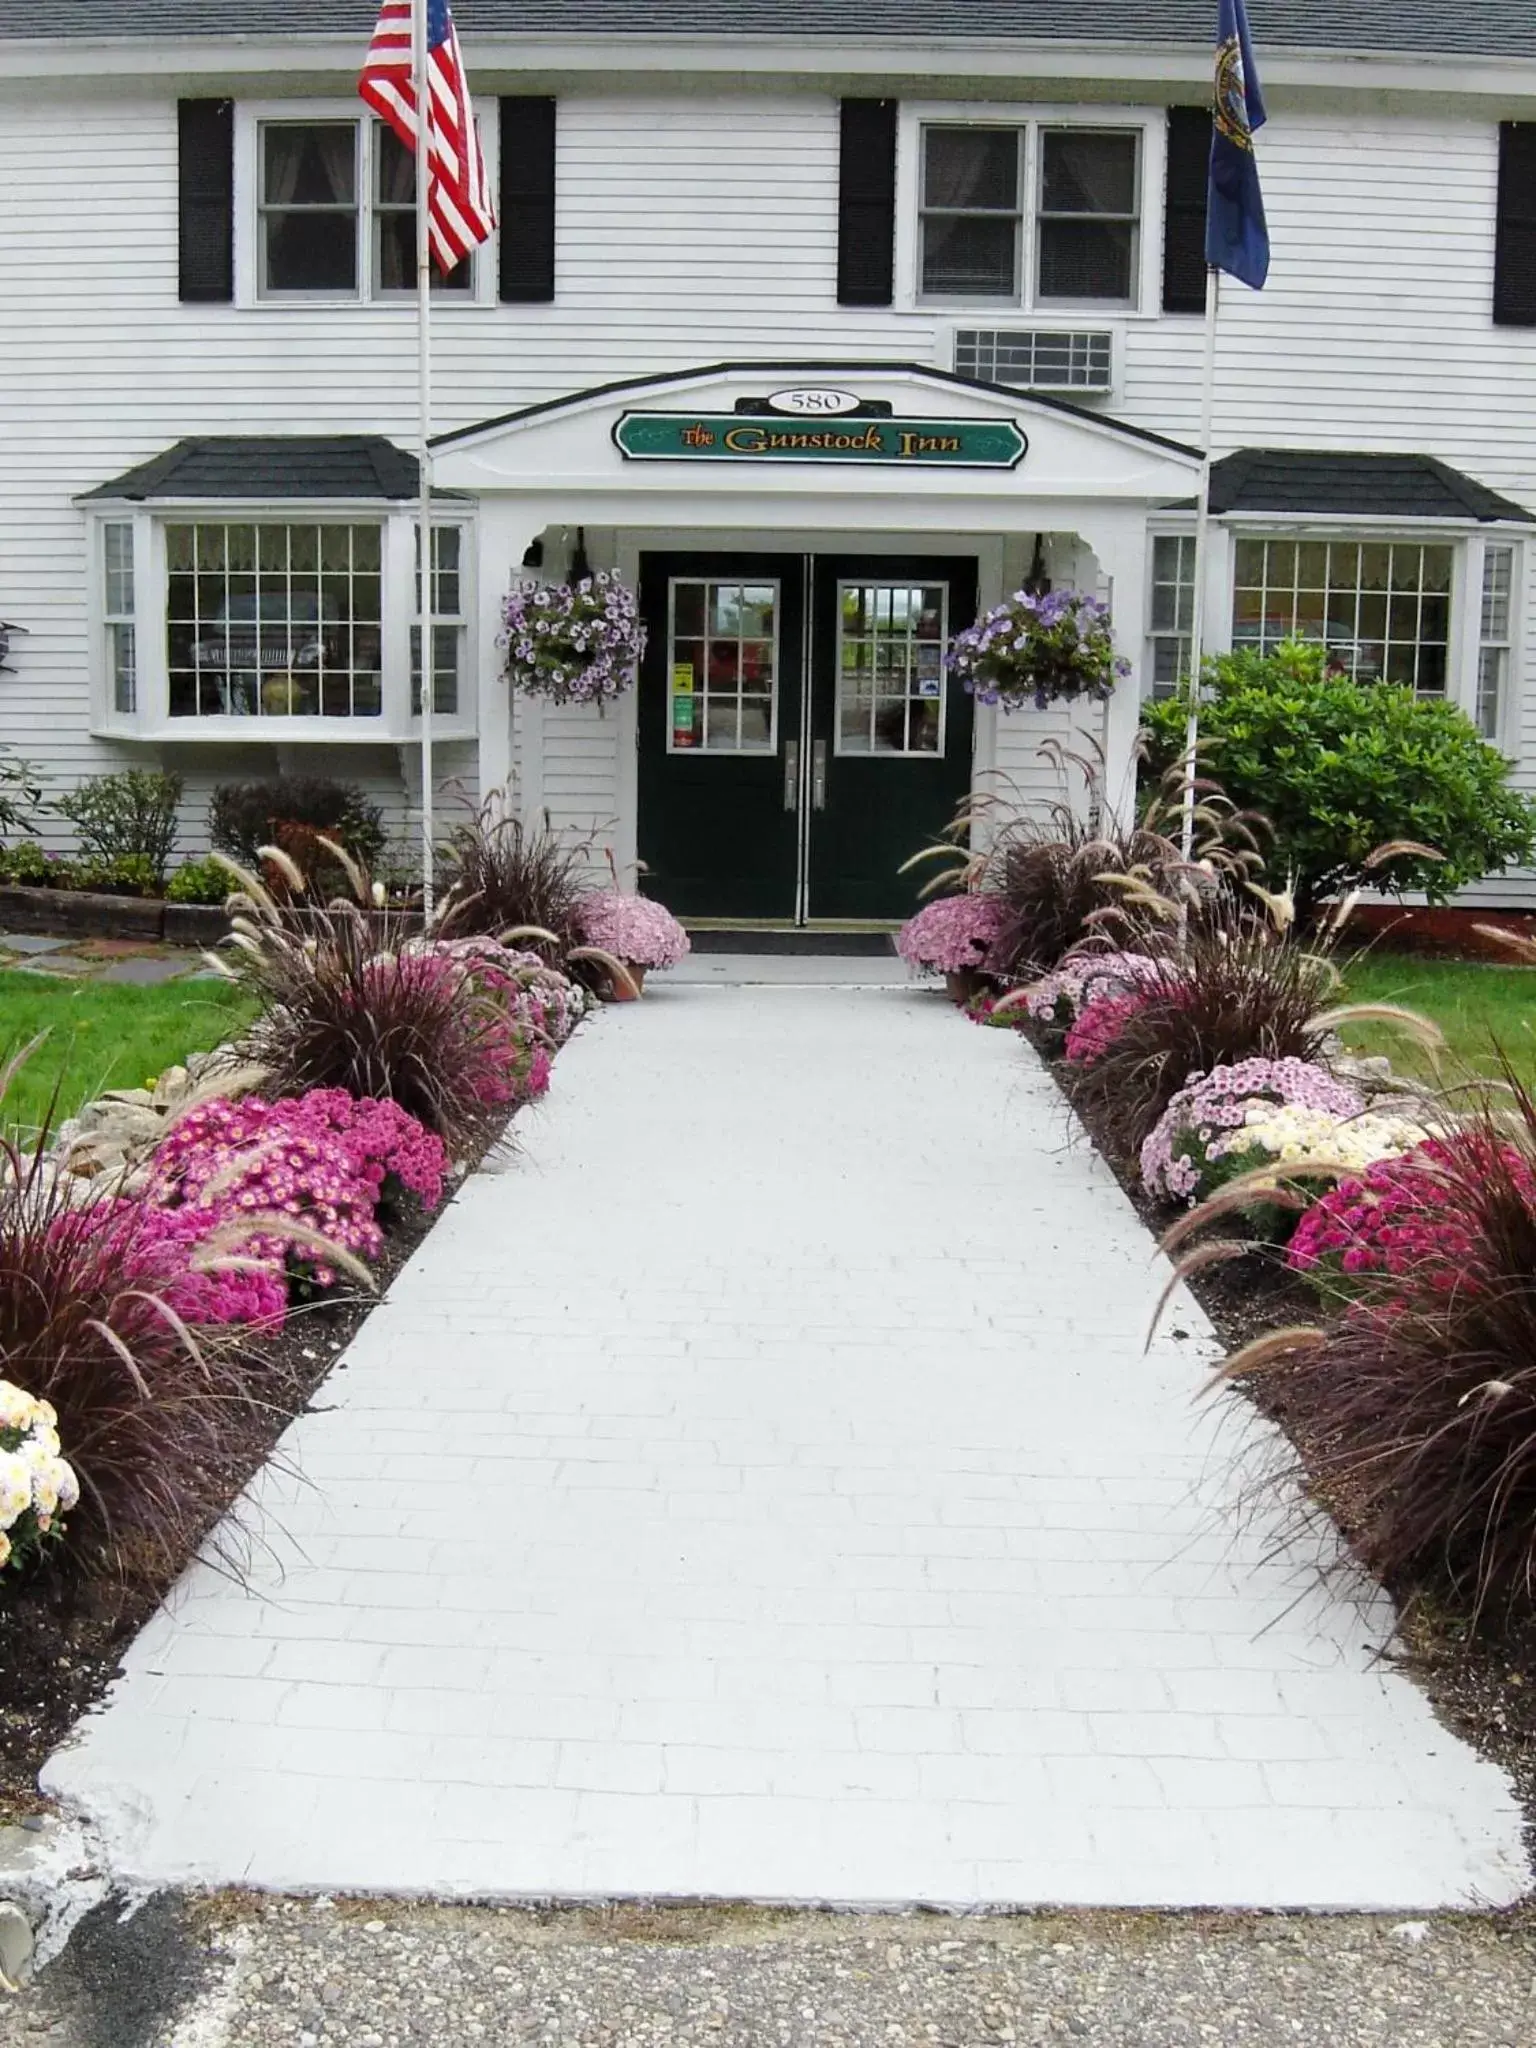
(422, 86)
(1202, 537)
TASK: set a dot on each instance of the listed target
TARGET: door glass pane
(722, 673)
(890, 672)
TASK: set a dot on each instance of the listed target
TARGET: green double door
(799, 734)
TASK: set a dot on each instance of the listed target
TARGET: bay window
(1382, 608)
(1436, 614)
(266, 625)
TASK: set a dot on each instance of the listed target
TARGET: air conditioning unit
(1057, 359)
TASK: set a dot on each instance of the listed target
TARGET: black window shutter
(1189, 170)
(205, 134)
(527, 200)
(1514, 260)
(866, 204)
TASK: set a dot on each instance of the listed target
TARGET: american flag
(460, 215)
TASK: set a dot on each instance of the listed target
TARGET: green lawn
(104, 1035)
(1476, 1007)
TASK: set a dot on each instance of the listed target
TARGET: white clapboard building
(823, 324)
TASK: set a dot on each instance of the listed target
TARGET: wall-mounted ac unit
(1056, 359)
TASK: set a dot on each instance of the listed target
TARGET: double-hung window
(1035, 214)
(1173, 610)
(1494, 630)
(117, 614)
(336, 212)
(450, 622)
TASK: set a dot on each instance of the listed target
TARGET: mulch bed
(1482, 1687)
(62, 1637)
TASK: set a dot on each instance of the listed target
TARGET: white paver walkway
(759, 1489)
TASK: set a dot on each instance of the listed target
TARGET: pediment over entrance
(854, 429)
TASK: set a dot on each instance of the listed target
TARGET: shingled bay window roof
(352, 467)
(1301, 483)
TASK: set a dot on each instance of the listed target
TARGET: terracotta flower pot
(618, 992)
(963, 983)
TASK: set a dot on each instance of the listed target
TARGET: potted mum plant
(1037, 650)
(638, 933)
(954, 936)
(573, 643)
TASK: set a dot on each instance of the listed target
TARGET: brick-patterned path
(759, 1489)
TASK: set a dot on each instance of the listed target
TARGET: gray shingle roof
(1488, 27)
(1323, 482)
(359, 466)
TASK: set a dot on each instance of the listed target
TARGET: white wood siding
(690, 230)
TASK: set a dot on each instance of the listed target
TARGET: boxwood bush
(1341, 768)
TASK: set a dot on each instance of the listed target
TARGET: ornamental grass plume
(1241, 986)
(1419, 1402)
(507, 874)
(346, 1002)
(155, 1415)
(952, 934)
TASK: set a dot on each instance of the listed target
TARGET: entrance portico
(793, 736)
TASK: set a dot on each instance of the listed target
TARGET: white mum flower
(18, 1410)
(15, 1487)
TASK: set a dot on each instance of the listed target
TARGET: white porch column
(510, 756)
(1119, 540)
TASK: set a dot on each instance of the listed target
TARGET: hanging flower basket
(573, 643)
(1037, 650)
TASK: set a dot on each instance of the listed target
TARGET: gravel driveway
(247, 1973)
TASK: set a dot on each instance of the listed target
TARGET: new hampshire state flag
(1236, 238)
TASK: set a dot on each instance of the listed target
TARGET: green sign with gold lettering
(744, 437)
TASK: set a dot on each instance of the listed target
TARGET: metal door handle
(819, 776)
(792, 775)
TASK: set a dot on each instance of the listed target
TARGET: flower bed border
(64, 1636)
(1483, 1690)
(84, 914)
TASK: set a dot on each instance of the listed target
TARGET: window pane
(292, 642)
(394, 244)
(118, 543)
(890, 694)
(1498, 573)
(721, 669)
(974, 168)
(311, 252)
(394, 169)
(1087, 173)
(124, 663)
(970, 256)
(1382, 610)
(309, 163)
(1086, 259)
(447, 642)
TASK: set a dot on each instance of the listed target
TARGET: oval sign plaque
(814, 402)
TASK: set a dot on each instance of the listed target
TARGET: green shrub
(128, 816)
(245, 816)
(129, 874)
(200, 881)
(1341, 769)
(26, 865)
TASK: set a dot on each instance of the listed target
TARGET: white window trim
(1150, 124)
(152, 720)
(249, 116)
(1466, 588)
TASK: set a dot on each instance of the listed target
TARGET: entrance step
(848, 941)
